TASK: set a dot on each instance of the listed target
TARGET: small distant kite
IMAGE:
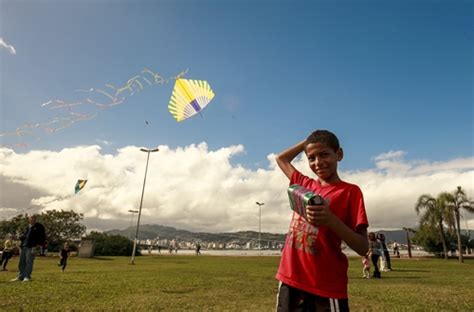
(80, 185)
(189, 98)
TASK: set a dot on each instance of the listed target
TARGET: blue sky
(382, 75)
(385, 76)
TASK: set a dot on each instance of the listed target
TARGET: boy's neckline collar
(329, 184)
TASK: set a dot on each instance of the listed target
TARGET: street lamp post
(148, 151)
(131, 222)
(259, 223)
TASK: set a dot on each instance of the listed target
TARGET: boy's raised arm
(284, 158)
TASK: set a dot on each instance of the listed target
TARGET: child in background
(366, 264)
(64, 254)
(6, 254)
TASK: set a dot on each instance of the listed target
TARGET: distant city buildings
(234, 244)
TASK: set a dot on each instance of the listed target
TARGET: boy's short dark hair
(325, 137)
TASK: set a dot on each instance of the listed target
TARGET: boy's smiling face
(323, 160)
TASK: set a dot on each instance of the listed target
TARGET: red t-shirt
(312, 259)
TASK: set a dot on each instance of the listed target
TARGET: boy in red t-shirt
(313, 269)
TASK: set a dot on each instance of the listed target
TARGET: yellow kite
(189, 98)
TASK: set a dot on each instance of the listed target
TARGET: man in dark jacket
(33, 236)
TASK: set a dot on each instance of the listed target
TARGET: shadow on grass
(74, 282)
(402, 277)
(412, 270)
(177, 291)
(178, 262)
(5, 282)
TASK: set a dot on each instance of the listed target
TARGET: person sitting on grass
(313, 268)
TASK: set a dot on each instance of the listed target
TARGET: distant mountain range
(149, 231)
(152, 231)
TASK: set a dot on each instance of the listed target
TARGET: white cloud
(103, 142)
(199, 189)
(390, 155)
(390, 162)
(7, 46)
(392, 188)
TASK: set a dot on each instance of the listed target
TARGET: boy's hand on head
(320, 214)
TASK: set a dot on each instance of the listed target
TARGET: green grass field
(222, 283)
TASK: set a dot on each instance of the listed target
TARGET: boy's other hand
(320, 214)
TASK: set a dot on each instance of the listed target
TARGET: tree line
(66, 226)
(61, 226)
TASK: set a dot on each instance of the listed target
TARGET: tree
(407, 230)
(456, 201)
(428, 237)
(62, 226)
(13, 227)
(435, 212)
(111, 245)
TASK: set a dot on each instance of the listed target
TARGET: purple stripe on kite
(195, 105)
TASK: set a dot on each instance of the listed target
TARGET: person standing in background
(375, 253)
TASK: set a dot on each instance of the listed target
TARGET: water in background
(257, 252)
